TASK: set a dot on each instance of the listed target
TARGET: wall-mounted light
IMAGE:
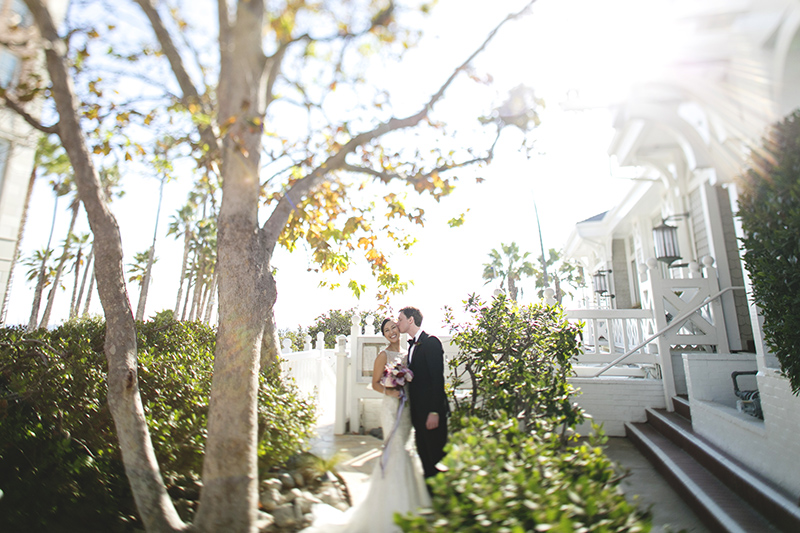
(666, 240)
(600, 281)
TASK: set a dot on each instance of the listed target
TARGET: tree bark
(152, 501)
(86, 270)
(73, 303)
(271, 343)
(246, 288)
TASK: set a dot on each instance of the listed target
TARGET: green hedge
(503, 480)
(60, 464)
(769, 206)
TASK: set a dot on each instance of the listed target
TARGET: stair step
(715, 504)
(769, 500)
(682, 407)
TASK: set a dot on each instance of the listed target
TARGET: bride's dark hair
(383, 324)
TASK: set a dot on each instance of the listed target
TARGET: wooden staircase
(726, 495)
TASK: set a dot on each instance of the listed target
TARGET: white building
(682, 140)
(17, 138)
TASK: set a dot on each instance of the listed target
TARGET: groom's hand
(433, 421)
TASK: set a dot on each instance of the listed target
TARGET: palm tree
(145, 284)
(181, 224)
(80, 242)
(66, 254)
(39, 270)
(60, 188)
(138, 269)
(509, 271)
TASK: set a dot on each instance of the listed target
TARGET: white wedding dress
(396, 486)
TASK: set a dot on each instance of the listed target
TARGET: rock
(264, 521)
(306, 500)
(331, 496)
(271, 498)
(284, 515)
(298, 510)
(293, 494)
(271, 483)
(287, 481)
(298, 479)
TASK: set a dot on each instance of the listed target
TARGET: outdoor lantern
(666, 239)
(600, 281)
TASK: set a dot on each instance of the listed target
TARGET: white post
(657, 288)
(352, 405)
(320, 342)
(307, 343)
(340, 415)
(287, 346)
(369, 325)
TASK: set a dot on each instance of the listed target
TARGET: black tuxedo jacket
(426, 390)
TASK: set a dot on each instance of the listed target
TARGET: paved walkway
(644, 485)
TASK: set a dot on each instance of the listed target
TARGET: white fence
(341, 378)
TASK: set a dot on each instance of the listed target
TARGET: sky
(566, 50)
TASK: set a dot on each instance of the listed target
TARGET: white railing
(679, 322)
(608, 333)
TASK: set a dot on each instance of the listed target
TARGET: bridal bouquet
(395, 376)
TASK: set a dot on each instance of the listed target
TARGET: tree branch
(27, 117)
(190, 93)
(280, 216)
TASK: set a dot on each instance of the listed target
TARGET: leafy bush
(769, 206)
(512, 463)
(502, 479)
(514, 359)
(336, 322)
(59, 458)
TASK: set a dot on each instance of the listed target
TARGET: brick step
(770, 500)
(714, 503)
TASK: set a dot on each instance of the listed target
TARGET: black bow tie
(411, 342)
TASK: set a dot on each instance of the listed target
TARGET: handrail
(672, 324)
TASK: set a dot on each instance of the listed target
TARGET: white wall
(614, 401)
(770, 446)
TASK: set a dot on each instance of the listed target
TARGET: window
(8, 67)
(5, 148)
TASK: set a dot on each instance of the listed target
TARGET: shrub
(514, 359)
(769, 206)
(512, 463)
(502, 479)
(60, 463)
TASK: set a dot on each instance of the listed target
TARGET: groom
(429, 407)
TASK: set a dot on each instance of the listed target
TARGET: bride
(396, 484)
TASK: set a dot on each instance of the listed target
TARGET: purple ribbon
(385, 455)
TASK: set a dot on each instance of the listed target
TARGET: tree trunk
(86, 270)
(246, 288)
(188, 292)
(15, 257)
(73, 303)
(271, 342)
(512, 287)
(199, 283)
(187, 241)
(152, 501)
(211, 298)
(51, 298)
(150, 258)
(89, 292)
